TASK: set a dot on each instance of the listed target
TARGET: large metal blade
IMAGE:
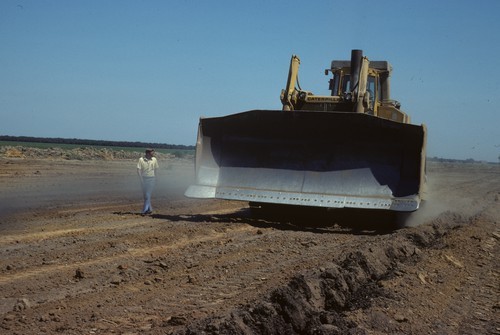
(324, 159)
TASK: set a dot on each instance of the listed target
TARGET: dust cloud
(449, 191)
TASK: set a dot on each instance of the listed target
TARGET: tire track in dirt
(136, 252)
(54, 232)
(190, 291)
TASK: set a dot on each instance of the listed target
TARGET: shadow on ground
(316, 220)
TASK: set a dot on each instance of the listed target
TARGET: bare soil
(77, 258)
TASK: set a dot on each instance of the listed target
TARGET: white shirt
(147, 167)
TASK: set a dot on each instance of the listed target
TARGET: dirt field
(77, 258)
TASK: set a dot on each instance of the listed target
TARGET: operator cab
(341, 82)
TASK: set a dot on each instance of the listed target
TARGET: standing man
(146, 168)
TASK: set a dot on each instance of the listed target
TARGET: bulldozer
(354, 148)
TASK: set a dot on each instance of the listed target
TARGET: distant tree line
(95, 142)
(451, 160)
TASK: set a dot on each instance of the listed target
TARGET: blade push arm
(287, 93)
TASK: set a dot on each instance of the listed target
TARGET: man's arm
(156, 166)
(139, 174)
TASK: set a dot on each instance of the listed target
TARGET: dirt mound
(313, 302)
(82, 153)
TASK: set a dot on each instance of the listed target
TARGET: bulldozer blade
(309, 158)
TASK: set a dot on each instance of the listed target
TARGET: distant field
(65, 146)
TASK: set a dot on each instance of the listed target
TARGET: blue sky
(147, 70)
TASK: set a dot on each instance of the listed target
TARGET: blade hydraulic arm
(287, 93)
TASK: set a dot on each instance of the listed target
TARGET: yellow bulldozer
(354, 148)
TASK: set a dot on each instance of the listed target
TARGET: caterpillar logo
(319, 99)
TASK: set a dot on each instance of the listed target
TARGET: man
(146, 168)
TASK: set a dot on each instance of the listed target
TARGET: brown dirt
(76, 258)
